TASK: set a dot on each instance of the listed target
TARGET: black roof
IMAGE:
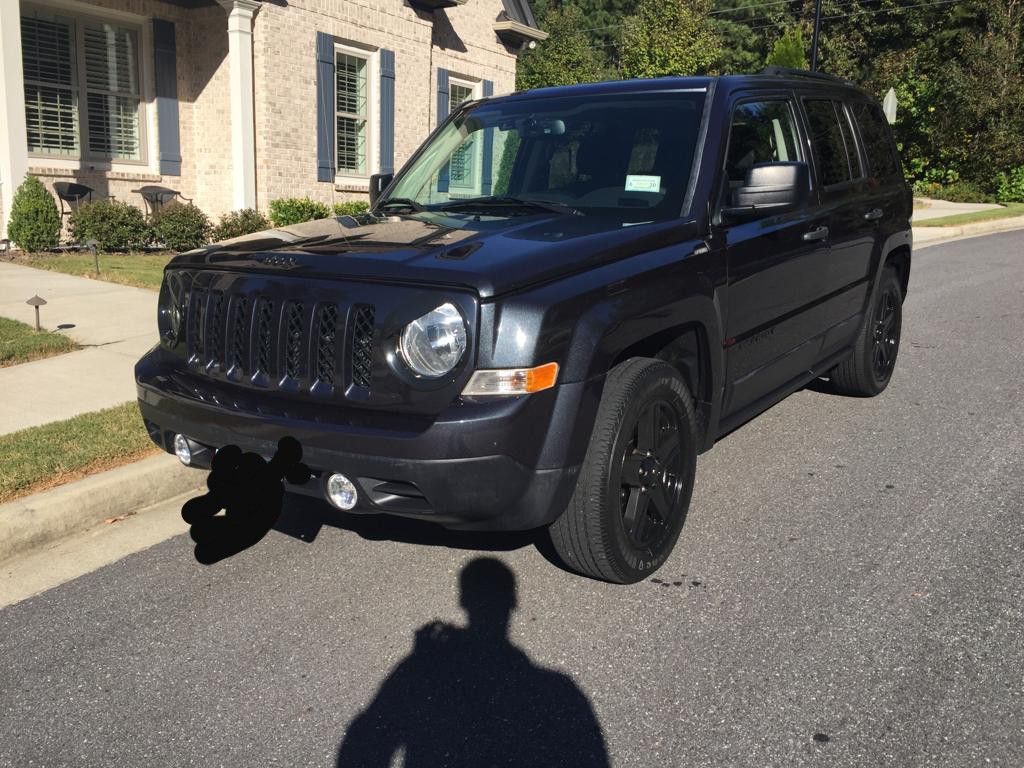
(519, 10)
(768, 78)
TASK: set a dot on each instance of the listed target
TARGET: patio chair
(72, 195)
(156, 197)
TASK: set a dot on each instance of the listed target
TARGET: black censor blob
(250, 491)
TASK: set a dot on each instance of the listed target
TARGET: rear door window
(878, 145)
(828, 142)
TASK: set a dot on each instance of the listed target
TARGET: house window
(464, 166)
(352, 112)
(82, 87)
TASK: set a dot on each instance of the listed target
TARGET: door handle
(818, 233)
(873, 215)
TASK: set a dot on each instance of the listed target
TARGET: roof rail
(791, 72)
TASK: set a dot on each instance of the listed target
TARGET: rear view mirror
(770, 188)
(378, 183)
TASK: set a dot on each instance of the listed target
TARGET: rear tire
(868, 370)
(634, 488)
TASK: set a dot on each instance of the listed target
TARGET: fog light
(342, 492)
(183, 449)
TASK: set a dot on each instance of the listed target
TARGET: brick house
(239, 102)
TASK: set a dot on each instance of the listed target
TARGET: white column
(13, 138)
(243, 132)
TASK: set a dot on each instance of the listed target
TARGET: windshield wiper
(491, 201)
(405, 202)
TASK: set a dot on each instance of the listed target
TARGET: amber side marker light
(512, 381)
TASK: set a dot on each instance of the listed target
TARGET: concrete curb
(923, 236)
(44, 518)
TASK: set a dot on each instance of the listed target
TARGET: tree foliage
(669, 37)
(789, 50)
(567, 57)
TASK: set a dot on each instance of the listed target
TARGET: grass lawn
(53, 454)
(20, 343)
(143, 270)
(1010, 210)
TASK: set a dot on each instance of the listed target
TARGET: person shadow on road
(466, 696)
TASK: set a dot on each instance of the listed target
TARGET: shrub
(181, 227)
(1010, 186)
(238, 223)
(114, 225)
(351, 208)
(963, 192)
(35, 220)
(295, 210)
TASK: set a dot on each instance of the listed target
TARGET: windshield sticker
(643, 183)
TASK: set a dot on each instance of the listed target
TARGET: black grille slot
(293, 341)
(215, 343)
(264, 334)
(240, 334)
(327, 335)
(362, 346)
(197, 325)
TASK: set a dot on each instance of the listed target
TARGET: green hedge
(181, 227)
(351, 208)
(114, 225)
(238, 223)
(1010, 186)
(295, 210)
(35, 220)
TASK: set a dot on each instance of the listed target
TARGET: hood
(491, 255)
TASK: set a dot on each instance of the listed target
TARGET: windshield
(628, 156)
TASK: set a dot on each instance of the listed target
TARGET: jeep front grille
(249, 337)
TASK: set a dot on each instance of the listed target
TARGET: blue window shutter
(443, 98)
(387, 111)
(488, 150)
(324, 107)
(165, 74)
(443, 108)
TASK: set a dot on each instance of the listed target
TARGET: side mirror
(378, 183)
(770, 188)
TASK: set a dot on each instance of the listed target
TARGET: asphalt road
(847, 592)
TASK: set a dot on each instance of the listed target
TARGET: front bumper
(498, 464)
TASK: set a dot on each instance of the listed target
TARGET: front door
(774, 262)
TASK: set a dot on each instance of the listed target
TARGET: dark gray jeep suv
(562, 298)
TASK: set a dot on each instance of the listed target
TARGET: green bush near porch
(35, 220)
(295, 210)
(113, 224)
(181, 227)
(238, 223)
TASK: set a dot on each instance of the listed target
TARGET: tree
(567, 57)
(669, 37)
(789, 50)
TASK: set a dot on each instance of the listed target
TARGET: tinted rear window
(877, 139)
(827, 142)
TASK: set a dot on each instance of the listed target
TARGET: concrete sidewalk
(116, 324)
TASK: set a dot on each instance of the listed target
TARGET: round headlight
(169, 310)
(433, 344)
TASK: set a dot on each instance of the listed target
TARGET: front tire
(868, 370)
(634, 488)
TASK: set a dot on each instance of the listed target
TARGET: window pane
(877, 139)
(111, 59)
(51, 103)
(351, 81)
(113, 126)
(112, 91)
(851, 144)
(827, 142)
(46, 50)
(51, 119)
(351, 144)
(761, 132)
(459, 94)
